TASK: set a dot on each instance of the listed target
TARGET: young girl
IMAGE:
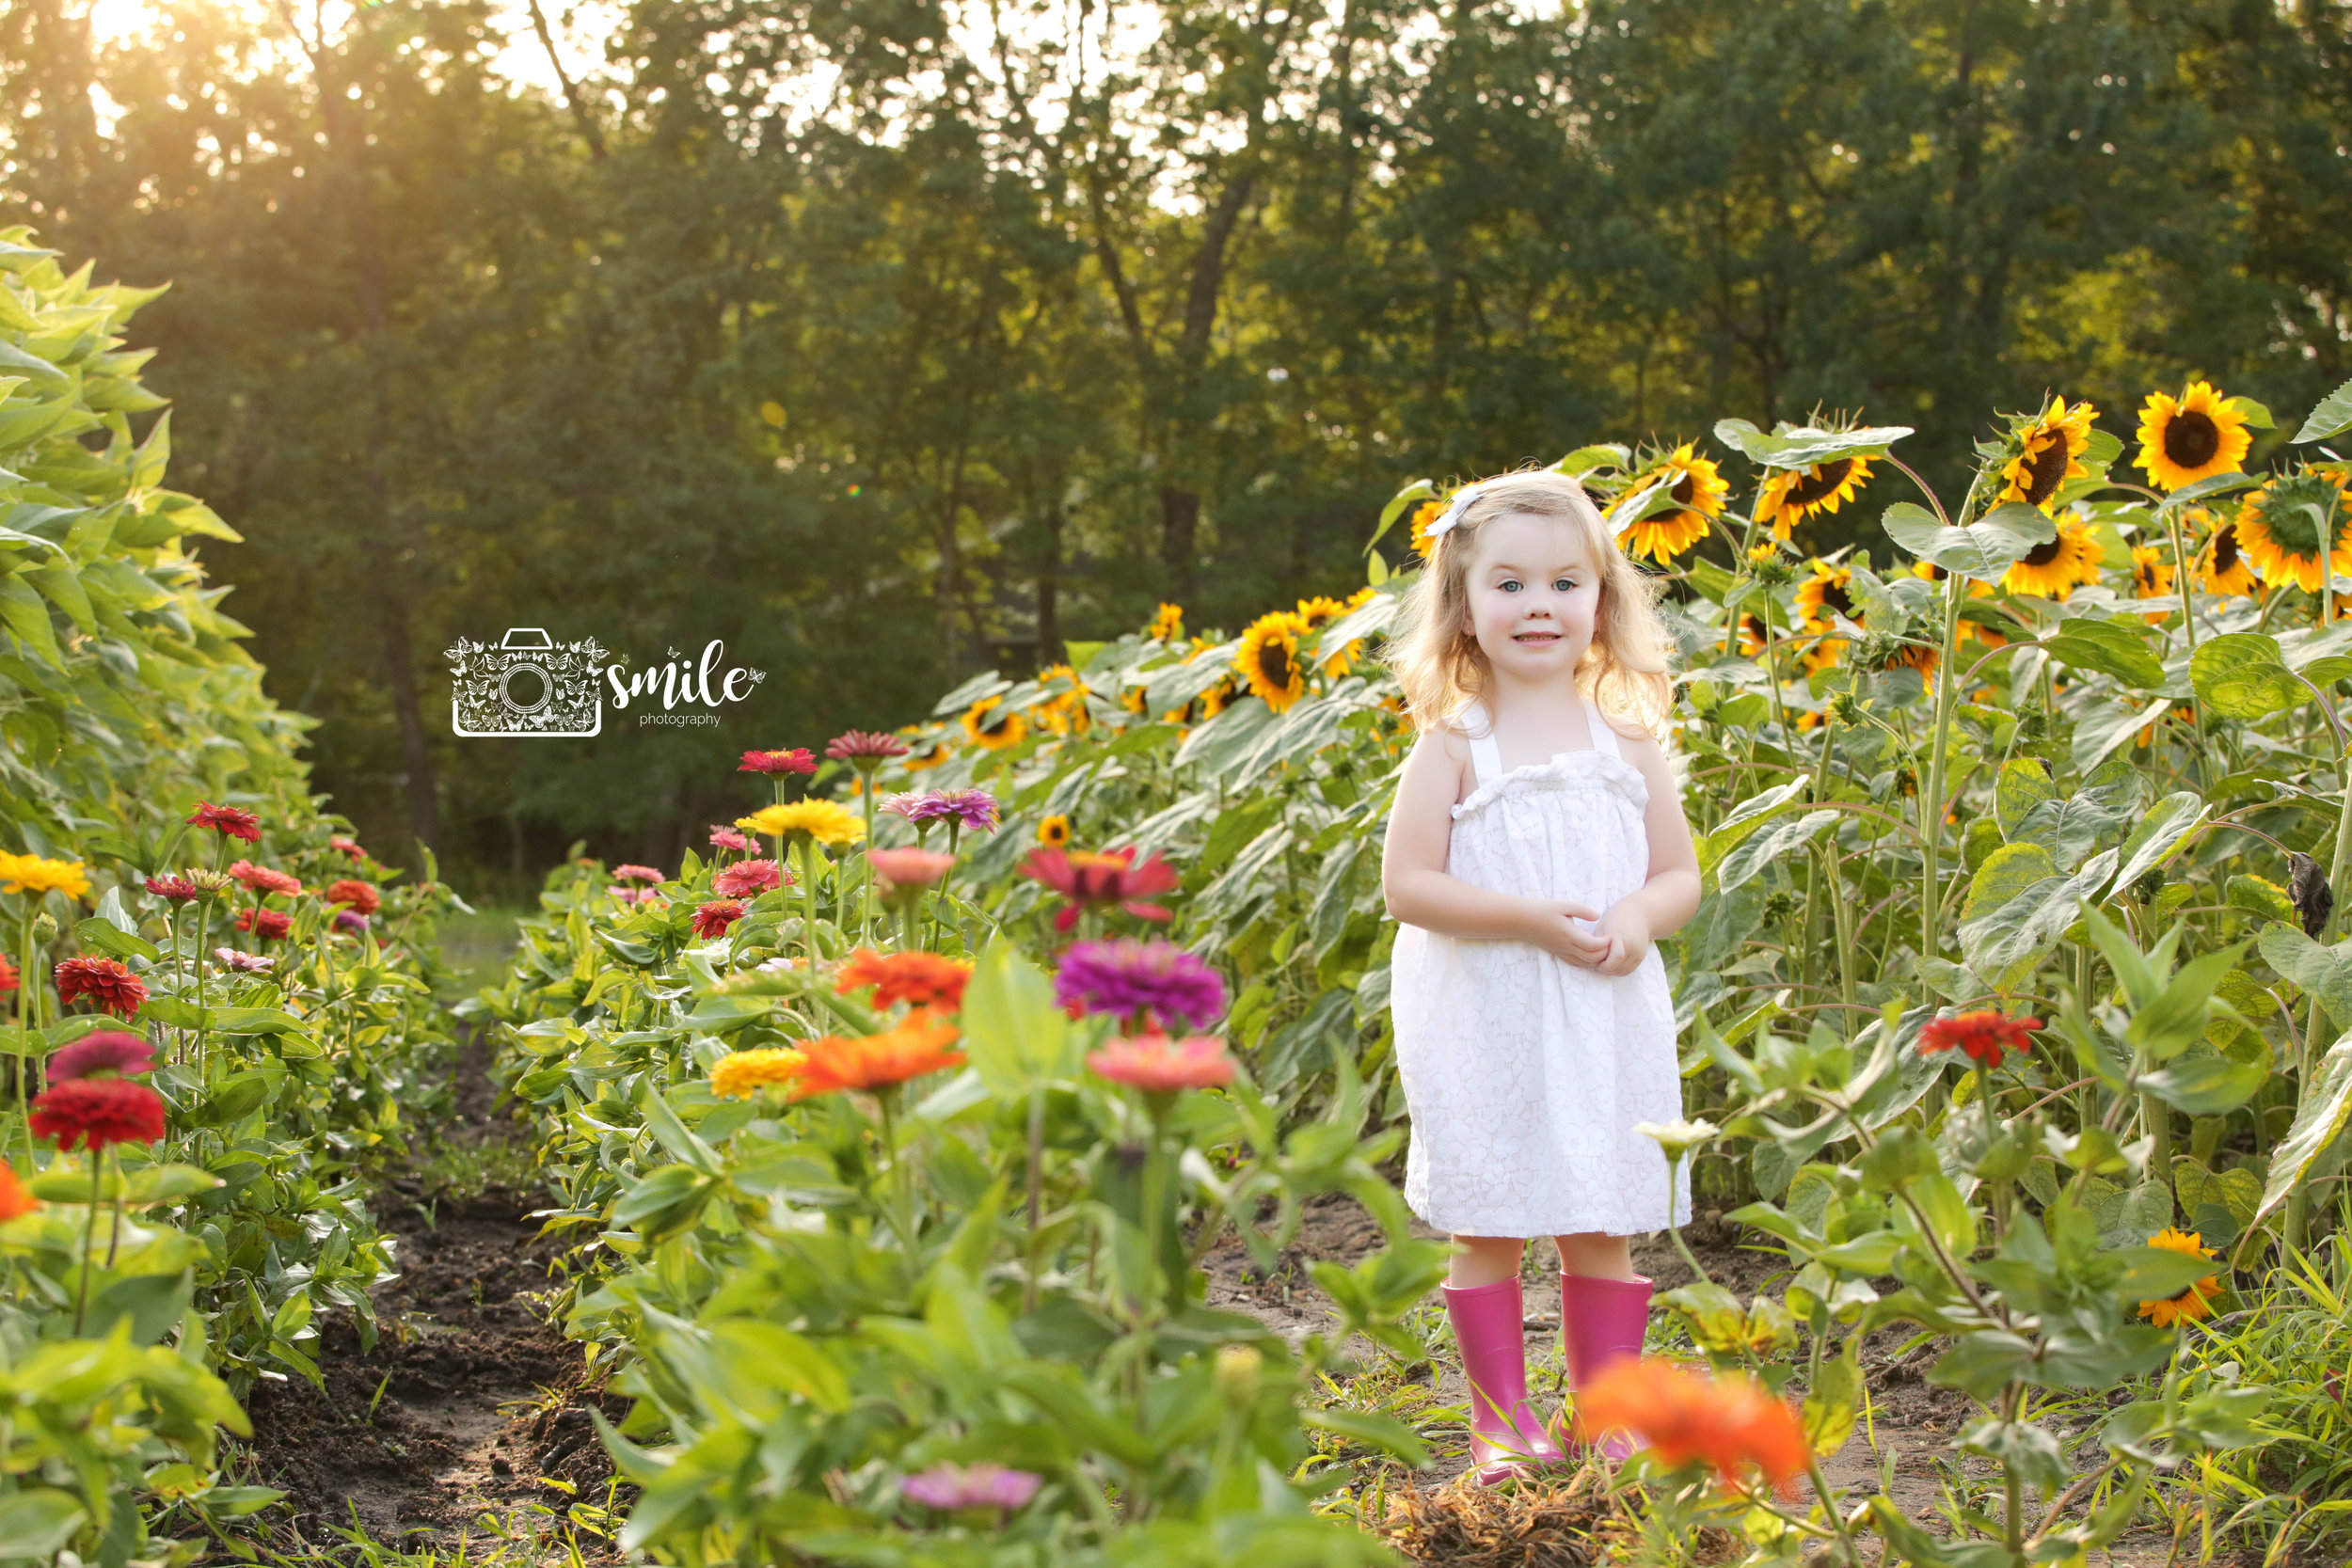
(1538, 849)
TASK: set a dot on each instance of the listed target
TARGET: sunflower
(1216, 699)
(1752, 637)
(2052, 570)
(1319, 613)
(1054, 831)
(1423, 515)
(2047, 452)
(926, 747)
(1698, 490)
(1067, 713)
(1792, 494)
(2289, 526)
(1168, 623)
(1268, 659)
(2221, 564)
(1823, 596)
(2194, 1303)
(2194, 438)
(992, 726)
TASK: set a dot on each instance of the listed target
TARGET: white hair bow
(1453, 513)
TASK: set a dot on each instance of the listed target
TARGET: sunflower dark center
(1685, 488)
(2045, 470)
(1274, 663)
(2190, 439)
(2148, 583)
(2041, 555)
(993, 722)
(2225, 549)
(1820, 481)
(1834, 597)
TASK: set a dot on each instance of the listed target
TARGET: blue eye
(1510, 585)
(1564, 585)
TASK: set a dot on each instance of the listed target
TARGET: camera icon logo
(529, 684)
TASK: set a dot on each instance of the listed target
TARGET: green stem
(1698, 1271)
(114, 1239)
(2318, 1031)
(89, 1245)
(1932, 797)
(866, 896)
(808, 900)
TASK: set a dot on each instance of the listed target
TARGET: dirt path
(471, 1405)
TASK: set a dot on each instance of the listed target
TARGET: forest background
(889, 340)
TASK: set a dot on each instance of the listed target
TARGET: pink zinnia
(637, 896)
(1158, 1064)
(265, 880)
(749, 878)
(798, 760)
(108, 1051)
(1085, 877)
(348, 846)
(232, 820)
(178, 889)
(729, 838)
(244, 963)
(910, 867)
(981, 1485)
(864, 748)
(712, 919)
(637, 874)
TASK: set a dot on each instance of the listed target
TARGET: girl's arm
(1671, 896)
(1420, 891)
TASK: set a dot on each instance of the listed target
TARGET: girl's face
(1534, 591)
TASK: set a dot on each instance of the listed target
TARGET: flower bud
(1237, 1376)
(210, 885)
(44, 927)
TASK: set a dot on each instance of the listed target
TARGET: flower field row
(219, 1012)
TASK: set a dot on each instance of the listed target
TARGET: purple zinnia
(244, 963)
(350, 919)
(107, 1051)
(973, 809)
(1129, 977)
(981, 1486)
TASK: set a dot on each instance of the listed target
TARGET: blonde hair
(1437, 657)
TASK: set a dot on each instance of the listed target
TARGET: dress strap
(1603, 732)
(1486, 756)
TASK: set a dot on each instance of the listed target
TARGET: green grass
(477, 946)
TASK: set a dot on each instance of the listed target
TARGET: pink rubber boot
(1506, 1438)
(1601, 1321)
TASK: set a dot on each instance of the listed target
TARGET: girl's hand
(1627, 932)
(1552, 926)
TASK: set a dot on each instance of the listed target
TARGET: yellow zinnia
(744, 1073)
(2193, 1303)
(1792, 494)
(992, 726)
(2052, 570)
(1268, 659)
(36, 874)
(1699, 489)
(2293, 529)
(826, 821)
(2047, 452)
(2196, 437)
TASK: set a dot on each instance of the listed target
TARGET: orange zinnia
(921, 1043)
(921, 979)
(1726, 1422)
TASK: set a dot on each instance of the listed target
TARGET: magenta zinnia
(797, 760)
(1982, 1035)
(972, 809)
(106, 981)
(1087, 878)
(178, 889)
(107, 1052)
(864, 748)
(1150, 982)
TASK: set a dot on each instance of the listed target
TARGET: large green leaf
(2160, 832)
(2331, 418)
(2206, 1085)
(2018, 907)
(2240, 675)
(1984, 550)
(1803, 446)
(2320, 1115)
(1016, 1036)
(1779, 841)
(2110, 647)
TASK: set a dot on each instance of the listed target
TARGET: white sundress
(1525, 1074)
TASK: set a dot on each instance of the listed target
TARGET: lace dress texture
(1525, 1074)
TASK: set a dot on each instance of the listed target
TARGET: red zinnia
(348, 846)
(1984, 1035)
(1084, 877)
(798, 760)
(231, 820)
(106, 1050)
(14, 1199)
(9, 980)
(358, 894)
(637, 874)
(748, 878)
(275, 922)
(712, 919)
(925, 979)
(178, 889)
(93, 1113)
(866, 747)
(104, 981)
(265, 880)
